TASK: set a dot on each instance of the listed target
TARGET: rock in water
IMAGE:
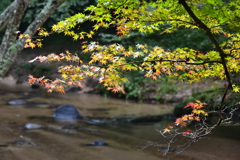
(67, 111)
(35, 86)
(17, 102)
(21, 143)
(33, 126)
(98, 143)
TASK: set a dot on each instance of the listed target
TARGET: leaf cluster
(187, 64)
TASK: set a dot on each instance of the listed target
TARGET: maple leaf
(197, 118)
(167, 130)
(185, 133)
(20, 36)
(49, 90)
(28, 40)
(80, 85)
(70, 82)
(115, 90)
(39, 44)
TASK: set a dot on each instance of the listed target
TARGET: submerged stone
(33, 126)
(17, 102)
(67, 111)
(98, 143)
(95, 121)
(21, 143)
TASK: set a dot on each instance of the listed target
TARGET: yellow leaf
(167, 130)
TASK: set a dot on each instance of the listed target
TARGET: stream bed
(104, 119)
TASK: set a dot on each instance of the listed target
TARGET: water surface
(66, 140)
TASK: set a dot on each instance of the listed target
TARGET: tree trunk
(6, 14)
(14, 14)
(11, 46)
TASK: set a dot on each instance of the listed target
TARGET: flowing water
(104, 119)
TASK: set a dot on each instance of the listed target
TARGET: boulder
(67, 111)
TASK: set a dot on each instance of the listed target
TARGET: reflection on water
(61, 139)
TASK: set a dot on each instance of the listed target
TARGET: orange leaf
(49, 90)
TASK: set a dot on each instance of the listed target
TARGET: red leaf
(185, 133)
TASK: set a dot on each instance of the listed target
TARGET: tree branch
(7, 14)
(50, 7)
(221, 105)
(185, 61)
(167, 20)
(211, 37)
(176, 61)
(16, 13)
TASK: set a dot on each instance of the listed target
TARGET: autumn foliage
(216, 18)
(108, 61)
(196, 115)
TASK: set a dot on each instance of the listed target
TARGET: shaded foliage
(69, 8)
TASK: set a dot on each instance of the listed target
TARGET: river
(104, 119)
